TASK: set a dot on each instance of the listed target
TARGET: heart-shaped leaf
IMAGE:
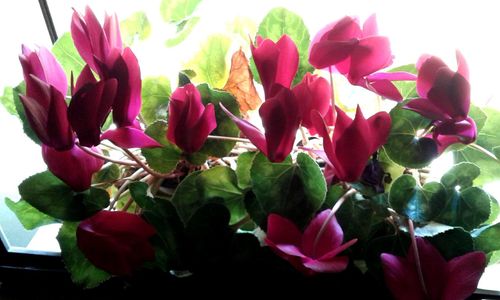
(29, 216)
(155, 96)
(462, 174)
(162, 159)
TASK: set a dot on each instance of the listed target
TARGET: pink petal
(328, 53)
(281, 231)
(249, 130)
(463, 68)
(433, 268)
(380, 126)
(74, 166)
(401, 278)
(338, 264)
(451, 93)
(464, 273)
(79, 34)
(330, 255)
(392, 76)
(312, 93)
(281, 119)
(266, 58)
(291, 250)
(129, 137)
(370, 26)
(195, 136)
(85, 77)
(384, 88)
(370, 55)
(112, 30)
(54, 73)
(345, 29)
(89, 109)
(288, 61)
(320, 126)
(58, 127)
(427, 109)
(330, 239)
(429, 66)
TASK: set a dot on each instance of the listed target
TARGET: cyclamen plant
(326, 190)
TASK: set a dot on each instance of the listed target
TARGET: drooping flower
(313, 93)
(117, 242)
(74, 166)
(455, 279)
(277, 63)
(353, 141)
(281, 117)
(46, 111)
(357, 53)
(189, 122)
(101, 48)
(314, 251)
(445, 99)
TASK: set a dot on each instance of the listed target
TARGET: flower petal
(288, 61)
(331, 237)
(427, 109)
(370, 55)
(429, 66)
(370, 26)
(464, 273)
(401, 278)
(328, 53)
(281, 231)
(250, 131)
(338, 264)
(129, 137)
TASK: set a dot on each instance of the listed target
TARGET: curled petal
(331, 237)
(464, 274)
(429, 66)
(129, 137)
(327, 53)
(282, 231)
(370, 55)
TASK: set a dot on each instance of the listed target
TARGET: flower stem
(331, 88)
(107, 158)
(124, 186)
(330, 216)
(483, 150)
(228, 138)
(417, 258)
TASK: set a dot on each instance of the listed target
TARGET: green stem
(483, 150)
(107, 158)
(228, 138)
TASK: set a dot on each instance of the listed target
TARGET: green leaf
(453, 243)
(283, 188)
(478, 115)
(107, 175)
(163, 216)
(432, 229)
(215, 185)
(496, 151)
(279, 21)
(403, 147)
(462, 174)
(210, 63)
(50, 195)
(219, 184)
(468, 208)
(29, 216)
(186, 27)
(136, 25)
(408, 89)
(392, 169)
(243, 165)
(242, 26)
(333, 195)
(7, 100)
(65, 52)
(421, 204)
(486, 238)
(155, 96)
(162, 159)
(495, 210)
(173, 11)
(225, 126)
(488, 138)
(82, 271)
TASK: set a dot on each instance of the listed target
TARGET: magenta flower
(445, 99)
(276, 63)
(446, 280)
(281, 117)
(101, 48)
(314, 251)
(357, 53)
(46, 111)
(117, 242)
(189, 121)
(313, 93)
(353, 141)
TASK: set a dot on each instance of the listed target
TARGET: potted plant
(191, 186)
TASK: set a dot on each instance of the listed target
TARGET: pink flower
(357, 53)
(353, 141)
(101, 48)
(447, 280)
(313, 93)
(276, 63)
(315, 250)
(117, 242)
(281, 117)
(445, 99)
(190, 122)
